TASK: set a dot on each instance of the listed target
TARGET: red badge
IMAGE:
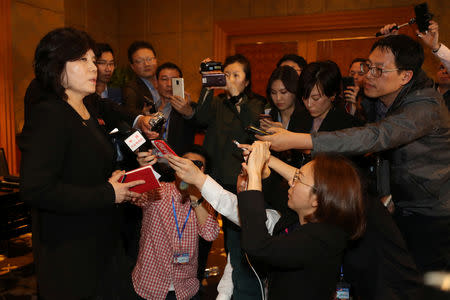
(101, 122)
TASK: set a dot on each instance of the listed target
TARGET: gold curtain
(7, 127)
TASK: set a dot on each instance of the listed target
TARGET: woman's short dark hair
(288, 77)
(246, 66)
(53, 51)
(325, 74)
(339, 192)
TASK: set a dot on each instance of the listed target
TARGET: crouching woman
(305, 259)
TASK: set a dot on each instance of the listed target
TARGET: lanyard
(176, 220)
(165, 134)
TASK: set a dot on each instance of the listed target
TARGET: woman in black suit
(66, 169)
(319, 88)
(304, 261)
(286, 111)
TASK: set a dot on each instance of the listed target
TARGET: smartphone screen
(178, 87)
(347, 81)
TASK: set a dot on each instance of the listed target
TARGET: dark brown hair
(288, 77)
(339, 193)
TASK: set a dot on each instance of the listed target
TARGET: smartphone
(162, 148)
(178, 87)
(254, 130)
(423, 16)
(213, 79)
(347, 81)
(264, 116)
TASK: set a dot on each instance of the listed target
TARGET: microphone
(132, 138)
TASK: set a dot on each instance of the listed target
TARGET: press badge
(181, 258)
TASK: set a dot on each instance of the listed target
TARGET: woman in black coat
(304, 261)
(67, 165)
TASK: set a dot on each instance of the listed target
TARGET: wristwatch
(197, 203)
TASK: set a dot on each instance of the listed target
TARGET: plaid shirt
(155, 271)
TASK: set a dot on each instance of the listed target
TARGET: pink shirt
(155, 270)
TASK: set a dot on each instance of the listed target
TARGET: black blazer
(115, 94)
(64, 171)
(133, 95)
(304, 264)
(181, 132)
(379, 265)
(336, 119)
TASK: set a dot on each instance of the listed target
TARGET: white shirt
(225, 203)
(444, 55)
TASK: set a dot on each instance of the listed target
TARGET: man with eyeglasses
(140, 94)
(105, 69)
(412, 131)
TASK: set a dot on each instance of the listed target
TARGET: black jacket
(223, 124)
(66, 163)
(134, 95)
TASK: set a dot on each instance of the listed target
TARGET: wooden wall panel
(263, 58)
(7, 124)
(309, 26)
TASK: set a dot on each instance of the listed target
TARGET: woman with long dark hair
(67, 176)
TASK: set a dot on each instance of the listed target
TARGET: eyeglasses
(297, 179)
(104, 63)
(198, 163)
(143, 60)
(375, 71)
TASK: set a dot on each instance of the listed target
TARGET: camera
(217, 78)
(157, 121)
(210, 66)
(214, 79)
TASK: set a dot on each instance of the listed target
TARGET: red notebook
(145, 173)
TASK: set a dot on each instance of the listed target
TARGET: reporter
(167, 264)
(225, 118)
(326, 193)
(286, 110)
(66, 162)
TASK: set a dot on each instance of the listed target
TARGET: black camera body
(157, 122)
(210, 66)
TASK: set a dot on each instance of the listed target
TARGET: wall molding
(224, 30)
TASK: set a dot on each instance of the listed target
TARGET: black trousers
(428, 240)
